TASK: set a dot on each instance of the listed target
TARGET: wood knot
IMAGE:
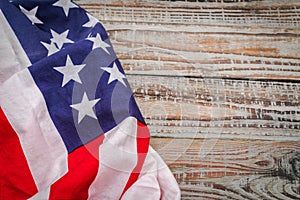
(289, 166)
(263, 163)
(295, 162)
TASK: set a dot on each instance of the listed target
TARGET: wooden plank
(233, 169)
(253, 40)
(192, 107)
(267, 12)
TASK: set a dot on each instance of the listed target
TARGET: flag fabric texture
(69, 125)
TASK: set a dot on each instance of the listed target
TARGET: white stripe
(155, 181)
(118, 158)
(13, 57)
(26, 110)
(41, 195)
(168, 184)
(146, 188)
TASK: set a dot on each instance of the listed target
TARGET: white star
(66, 5)
(85, 107)
(98, 42)
(31, 14)
(61, 38)
(92, 21)
(50, 47)
(70, 71)
(115, 74)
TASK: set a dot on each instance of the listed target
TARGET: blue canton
(75, 68)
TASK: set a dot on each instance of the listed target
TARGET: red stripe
(83, 166)
(16, 181)
(143, 138)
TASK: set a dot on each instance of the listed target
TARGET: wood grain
(218, 82)
(229, 109)
(232, 169)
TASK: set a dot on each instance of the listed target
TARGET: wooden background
(218, 82)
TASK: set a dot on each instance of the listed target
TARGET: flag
(69, 125)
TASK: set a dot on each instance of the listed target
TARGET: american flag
(69, 125)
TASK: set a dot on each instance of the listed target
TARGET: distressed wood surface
(218, 82)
